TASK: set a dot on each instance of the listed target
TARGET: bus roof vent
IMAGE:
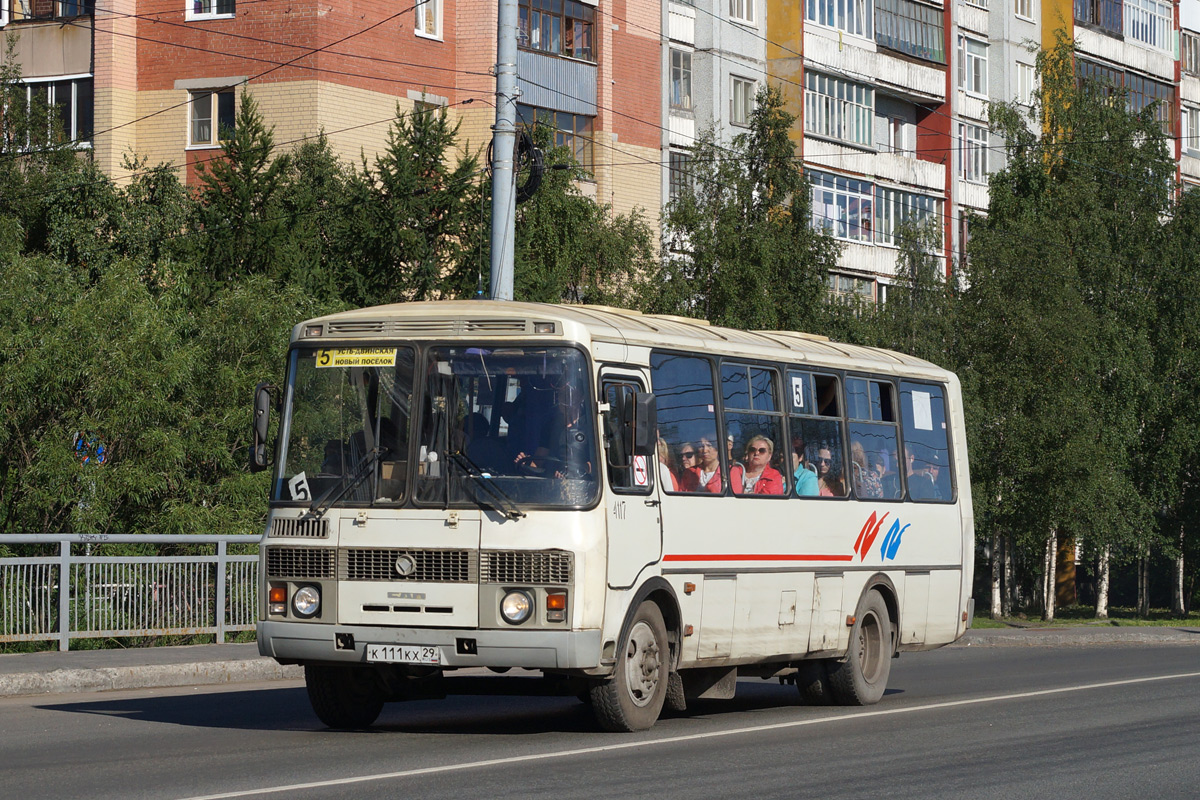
(355, 327)
(495, 325)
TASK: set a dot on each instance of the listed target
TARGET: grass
(1085, 616)
(125, 642)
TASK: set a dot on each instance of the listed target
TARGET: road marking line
(691, 737)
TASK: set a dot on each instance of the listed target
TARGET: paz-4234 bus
(641, 508)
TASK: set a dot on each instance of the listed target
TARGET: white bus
(642, 508)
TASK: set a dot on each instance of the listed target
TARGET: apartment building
(159, 78)
(892, 98)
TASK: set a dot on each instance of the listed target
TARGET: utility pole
(504, 138)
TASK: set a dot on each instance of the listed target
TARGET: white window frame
(855, 17)
(973, 159)
(742, 11)
(30, 83)
(1189, 52)
(681, 79)
(212, 94)
(1026, 84)
(1149, 22)
(1023, 9)
(421, 25)
(741, 107)
(845, 207)
(839, 109)
(5, 12)
(972, 66)
(910, 206)
(191, 12)
(1189, 130)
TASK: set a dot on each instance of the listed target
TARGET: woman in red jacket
(706, 476)
(758, 476)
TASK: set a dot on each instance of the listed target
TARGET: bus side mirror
(645, 424)
(259, 458)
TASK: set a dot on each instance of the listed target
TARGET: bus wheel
(632, 698)
(862, 677)
(344, 697)
(812, 679)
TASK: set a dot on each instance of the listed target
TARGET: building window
(742, 11)
(837, 108)
(681, 79)
(71, 104)
(1026, 84)
(679, 177)
(848, 286)
(852, 16)
(1104, 14)
(896, 207)
(1145, 92)
(973, 165)
(429, 19)
(561, 27)
(212, 115)
(741, 101)
(572, 131)
(1190, 130)
(1023, 8)
(1189, 46)
(209, 9)
(842, 206)
(972, 65)
(912, 28)
(74, 8)
(1150, 22)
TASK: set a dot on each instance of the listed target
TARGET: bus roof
(474, 318)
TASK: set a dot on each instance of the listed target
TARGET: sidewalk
(203, 665)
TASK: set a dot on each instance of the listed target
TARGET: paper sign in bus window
(357, 357)
(922, 412)
(798, 391)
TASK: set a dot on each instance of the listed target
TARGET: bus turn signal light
(556, 607)
(277, 599)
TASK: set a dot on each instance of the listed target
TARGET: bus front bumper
(298, 642)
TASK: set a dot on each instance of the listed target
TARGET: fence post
(64, 595)
(221, 565)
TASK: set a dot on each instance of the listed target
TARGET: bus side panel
(772, 613)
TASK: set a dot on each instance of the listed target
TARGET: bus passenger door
(632, 506)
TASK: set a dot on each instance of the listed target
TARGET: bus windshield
(512, 423)
(347, 426)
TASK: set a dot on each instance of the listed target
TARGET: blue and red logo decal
(870, 532)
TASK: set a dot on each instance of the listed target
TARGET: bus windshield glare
(493, 426)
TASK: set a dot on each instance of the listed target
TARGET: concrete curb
(103, 679)
(1078, 637)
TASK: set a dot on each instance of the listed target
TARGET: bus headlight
(516, 607)
(306, 602)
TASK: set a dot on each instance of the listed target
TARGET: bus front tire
(862, 677)
(344, 697)
(632, 698)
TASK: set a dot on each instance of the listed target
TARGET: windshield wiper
(346, 484)
(500, 501)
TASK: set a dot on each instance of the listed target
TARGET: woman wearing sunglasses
(757, 476)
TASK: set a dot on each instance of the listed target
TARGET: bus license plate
(403, 654)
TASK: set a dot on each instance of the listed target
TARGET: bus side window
(687, 422)
(753, 422)
(817, 466)
(874, 463)
(618, 440)
(927, 450)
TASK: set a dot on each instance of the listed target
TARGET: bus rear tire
(632, 698)
(861, 678)
(344, 697)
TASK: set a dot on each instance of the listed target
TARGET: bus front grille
(431, 566)
(300, 562)
(308, 528)
(526, 566)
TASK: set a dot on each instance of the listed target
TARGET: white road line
(494, 762)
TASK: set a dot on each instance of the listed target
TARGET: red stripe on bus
(756, 557)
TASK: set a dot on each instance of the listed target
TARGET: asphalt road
(967, 722)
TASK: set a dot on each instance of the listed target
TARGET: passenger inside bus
(706, 475)
(666, 466)
(829, 474)
(865, 478)
(757, 476)
(804, 472)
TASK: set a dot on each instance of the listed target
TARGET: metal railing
(125, 595)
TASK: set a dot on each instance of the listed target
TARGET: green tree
(239, 197)
(415, 215)
(741, 247)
